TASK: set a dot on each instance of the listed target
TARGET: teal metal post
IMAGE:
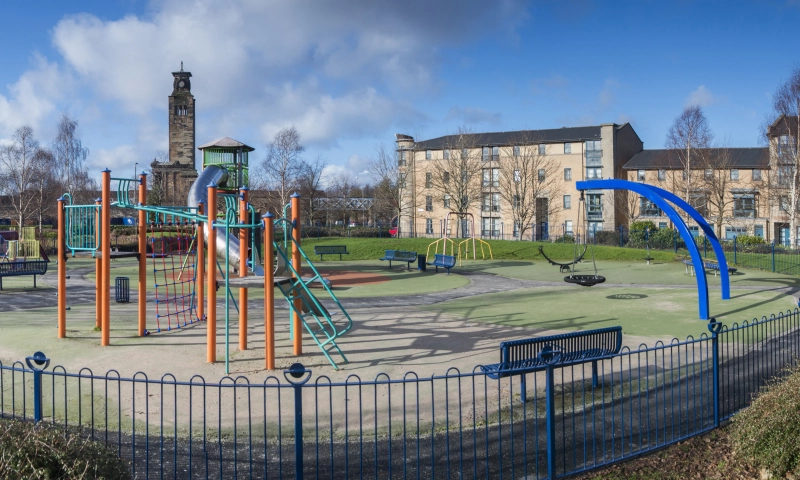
(42, 361)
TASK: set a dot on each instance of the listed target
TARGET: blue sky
(351, 74)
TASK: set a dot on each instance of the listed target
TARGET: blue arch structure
(660, 198)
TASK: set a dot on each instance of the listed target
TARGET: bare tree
(627, 204)
(688, 134)
(157, 182)
(713, 198)
(45, 186)
(19, 169)
(391, 186)
(526, 178)
(69, 154)
(309, 184)
(784, 125)
(281, 168)
(457, 175)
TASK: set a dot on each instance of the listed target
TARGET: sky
(352, 73)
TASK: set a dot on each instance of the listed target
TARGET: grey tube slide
(199, 193)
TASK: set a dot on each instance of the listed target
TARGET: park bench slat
(399, 256)
(444, 261)
(331, 250)
(18, 269)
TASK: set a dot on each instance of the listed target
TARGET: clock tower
(181, 120)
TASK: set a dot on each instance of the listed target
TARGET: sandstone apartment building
(739, 190)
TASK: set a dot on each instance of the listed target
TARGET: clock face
(181, 84)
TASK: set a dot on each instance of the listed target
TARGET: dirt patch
(348, 278)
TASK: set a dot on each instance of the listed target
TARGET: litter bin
(122, 289)
(421, 265)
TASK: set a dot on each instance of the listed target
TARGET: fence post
(734, 250)
(550, 356)
(714, 327)
(40, 359)
(294, 375)
(773, 255)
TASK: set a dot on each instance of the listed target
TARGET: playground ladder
(314, 316)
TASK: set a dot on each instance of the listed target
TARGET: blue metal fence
(456, 424)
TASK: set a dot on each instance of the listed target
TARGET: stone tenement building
(172, 179)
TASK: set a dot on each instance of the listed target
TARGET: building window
(465, 201)
(568, 227)
(744, 206)
(446, 177)
(428, 180)
(446, 154)
(567, 174)
(429, 226)
(541, 174)
(567, 202)
(784, 175)
(662, 225)
(447, 201)
(648, 208)
(491, 202)
(733, 232)
(517, 176)
(683, 175)
(756, 175)
(699, 201)
(709, 173)
(783, 203)
(758, 231)
(516, 150)
(785, 145)
(428, 203)
(641, 176)
(428, 155)
(490, 227)
(491, 177)
(734, 175)
(516, 229)
(593, 146)
(662, 175)
(541, 149)
(567, 148)
(464, 153)
(516, 203)
(485, 154)
(594, 206)
(594, 173)
(495, 154)
(401, 158)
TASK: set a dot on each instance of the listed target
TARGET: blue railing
(459, 423)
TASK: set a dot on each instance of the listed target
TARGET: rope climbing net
(173, 249)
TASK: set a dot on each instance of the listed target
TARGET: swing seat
(585, 280)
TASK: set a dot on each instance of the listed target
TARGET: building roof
(669, 159)
(226, 142)
(521, 137)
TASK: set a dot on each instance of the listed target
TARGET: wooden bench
(331, 250)
(21, 268)
(399, 256)
(519, 357)
(444, 261)
(709, 265)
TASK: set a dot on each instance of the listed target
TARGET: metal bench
(519, 357)
(21, 268)
(331, 250)
(444, 261)
(399, 256)
(709, 265)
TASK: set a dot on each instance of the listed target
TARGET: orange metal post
(98, 267)
(105, 247)
(211, 333)
(243, 242)
(142, 256)
(200, 278)
(298, 332)
(62, 271)
(269, 293)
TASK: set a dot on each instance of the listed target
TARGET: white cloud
(701, 97)
(33, 97)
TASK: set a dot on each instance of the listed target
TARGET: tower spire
(181, 65)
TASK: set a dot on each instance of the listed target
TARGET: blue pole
(550, 356)
(42, 362)
(294, 375)
(714, 327)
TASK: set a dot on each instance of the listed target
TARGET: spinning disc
(585, 280)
